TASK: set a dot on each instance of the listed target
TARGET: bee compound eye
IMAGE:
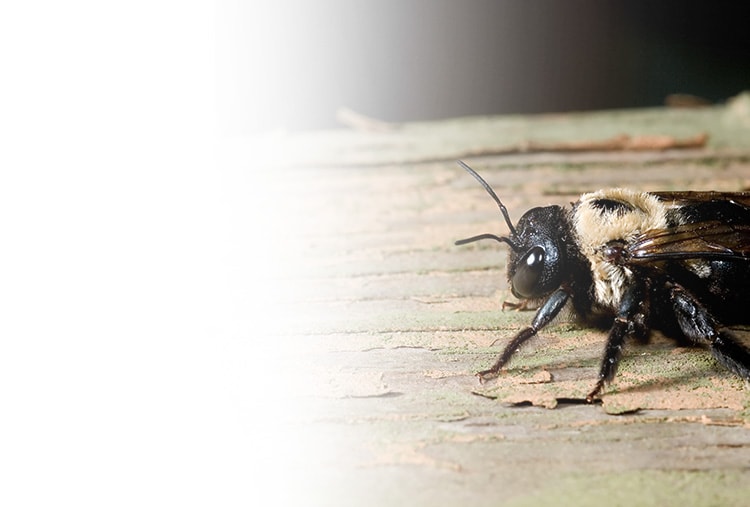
(528, 272)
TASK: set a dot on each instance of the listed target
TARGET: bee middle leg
(630, 322)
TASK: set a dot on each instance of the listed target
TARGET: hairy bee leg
(509, 350)
(546, 313)
(612, 354)
(698, 325)
(630, 322)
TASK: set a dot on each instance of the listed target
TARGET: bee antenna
(492, 193)
(501, 239)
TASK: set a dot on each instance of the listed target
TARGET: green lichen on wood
(658, 488)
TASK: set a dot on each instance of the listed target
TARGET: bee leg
(546, 313)
(700, 326)
(611, 357)
(630, 322)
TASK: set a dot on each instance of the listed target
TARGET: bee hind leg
(700, 326)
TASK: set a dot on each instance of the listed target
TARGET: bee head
(537, 259)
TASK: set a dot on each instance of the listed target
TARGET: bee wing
(692, 197)
(709, 240)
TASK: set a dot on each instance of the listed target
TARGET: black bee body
(677, 262)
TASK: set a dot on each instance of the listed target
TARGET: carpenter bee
(677, 262)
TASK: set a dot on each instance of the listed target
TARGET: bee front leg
(546, 313)
(630, 322)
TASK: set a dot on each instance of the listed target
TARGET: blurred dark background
(291, 64)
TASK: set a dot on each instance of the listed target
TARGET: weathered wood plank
(381, 322)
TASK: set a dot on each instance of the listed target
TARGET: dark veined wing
(692, 197)
(709, 240)
(706, 238)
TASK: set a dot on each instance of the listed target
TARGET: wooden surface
(373, 323)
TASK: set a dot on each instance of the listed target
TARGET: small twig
(621, 143)
(686, 101)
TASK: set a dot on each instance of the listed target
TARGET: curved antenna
(492, 194)
(501, 239)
